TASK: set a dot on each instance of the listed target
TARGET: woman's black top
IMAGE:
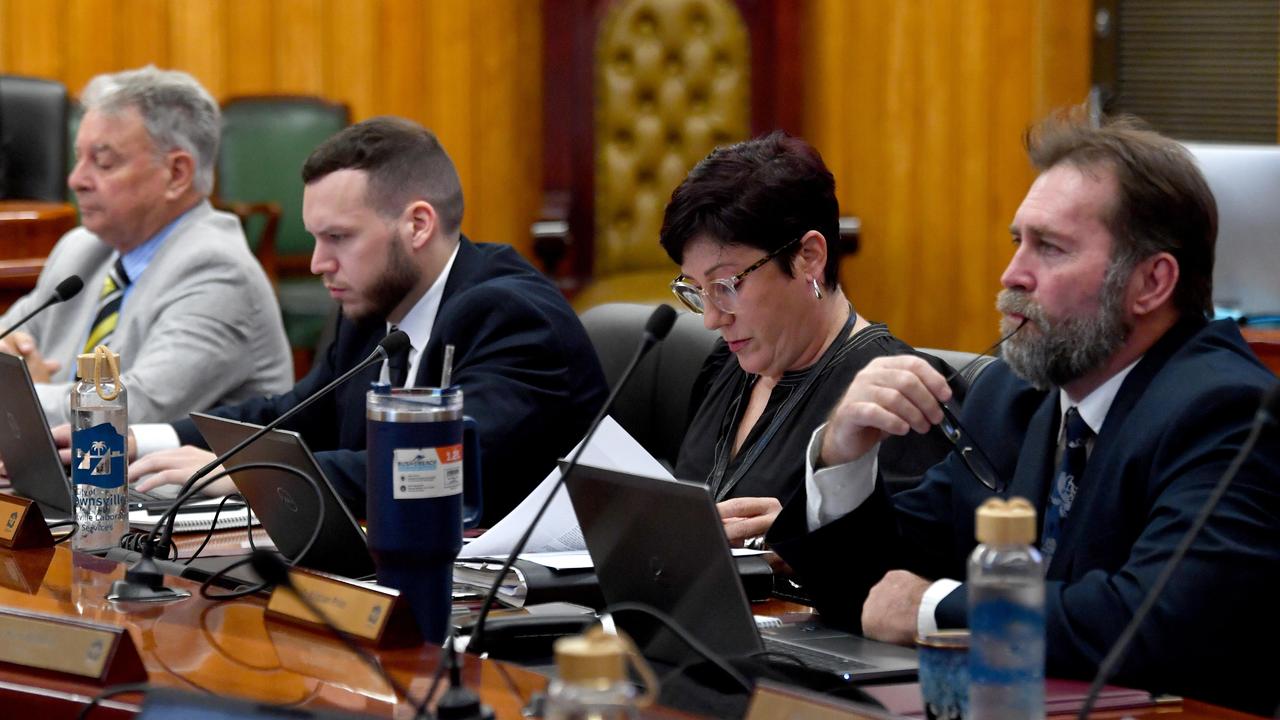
(771, 461)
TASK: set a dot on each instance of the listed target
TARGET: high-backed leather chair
(265, 141)
(33, 148)
(672, 82)
(654, 406)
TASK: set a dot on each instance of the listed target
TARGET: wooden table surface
(230, 648)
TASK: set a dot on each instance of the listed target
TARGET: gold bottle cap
(592, 658)
(84, 364)
(1009, 522)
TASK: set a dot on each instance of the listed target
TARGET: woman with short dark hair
(752, 228)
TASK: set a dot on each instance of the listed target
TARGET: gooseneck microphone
(65, 290)
(144, 581)
(1267, 415)
(655, 330)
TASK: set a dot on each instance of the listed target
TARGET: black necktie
(1063, 493)
(398, 364)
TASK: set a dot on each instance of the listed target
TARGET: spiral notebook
(195, 521)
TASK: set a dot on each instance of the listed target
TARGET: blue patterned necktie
(1063, 493)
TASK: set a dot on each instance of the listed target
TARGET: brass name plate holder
(22, 524)
(102, 654)
(370, 613)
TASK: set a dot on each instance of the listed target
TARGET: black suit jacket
(528, 373)
(1177, 421)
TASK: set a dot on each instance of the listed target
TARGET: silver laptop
(286, 505)
(661, 543)
(30, 457)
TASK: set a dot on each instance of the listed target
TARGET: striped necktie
(104, 321)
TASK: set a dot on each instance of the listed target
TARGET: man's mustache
(1019, 302)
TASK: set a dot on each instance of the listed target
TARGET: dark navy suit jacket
(1174, 427)
(528, 373)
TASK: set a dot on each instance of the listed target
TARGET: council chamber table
(28, 231)
(231, 649)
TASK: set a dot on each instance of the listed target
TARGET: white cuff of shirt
(926, 622)
(54, 401)
(153, 437)
(833, 492)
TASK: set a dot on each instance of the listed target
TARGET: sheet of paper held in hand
(612, 448)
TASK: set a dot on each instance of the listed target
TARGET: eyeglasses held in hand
(972, 455)
(722, 293)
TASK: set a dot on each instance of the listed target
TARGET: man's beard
(398, 278)
(1070, 348)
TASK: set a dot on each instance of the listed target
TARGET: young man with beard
(1112, 275)
(384, 202)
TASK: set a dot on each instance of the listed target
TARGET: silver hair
(178, 112)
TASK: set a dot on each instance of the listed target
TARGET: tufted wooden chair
(671, 83)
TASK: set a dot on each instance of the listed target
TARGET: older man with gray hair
(170, 283)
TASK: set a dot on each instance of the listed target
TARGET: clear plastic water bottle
(1006, 614)
(99, 434)
(591, 682)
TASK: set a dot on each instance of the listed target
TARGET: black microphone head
(68, 288)
(270, 567)
(660, 322)
(1269, 408)
(394, 342)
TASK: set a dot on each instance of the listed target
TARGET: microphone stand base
(125, 591)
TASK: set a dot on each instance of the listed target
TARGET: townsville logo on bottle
(97, 457)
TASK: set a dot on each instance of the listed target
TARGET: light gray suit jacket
(199, 328)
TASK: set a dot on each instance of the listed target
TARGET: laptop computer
(286, 505)
(661, 543)
(26, 445)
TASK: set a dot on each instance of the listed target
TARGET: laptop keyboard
(137, 498)
(815, 659)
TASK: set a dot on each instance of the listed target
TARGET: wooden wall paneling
(300, 43)
(89, 40)
(450, 95)
(197, 36)
(933, 250)
(354, 61)
(529, 152)
(975, 226)
(505, 127)
(142, 34)
(919, 113)
(403, 63)
(35, 39)
(249, 41)
(6, 26)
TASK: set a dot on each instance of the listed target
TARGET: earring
(817, 290)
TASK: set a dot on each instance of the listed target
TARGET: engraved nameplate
(366, 611)
(102, 653)
(771, 701)
(22, 524)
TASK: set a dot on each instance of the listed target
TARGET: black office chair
(654, 407)
(33, 146)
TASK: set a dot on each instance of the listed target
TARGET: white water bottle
(1006, 614)
(99, 441)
